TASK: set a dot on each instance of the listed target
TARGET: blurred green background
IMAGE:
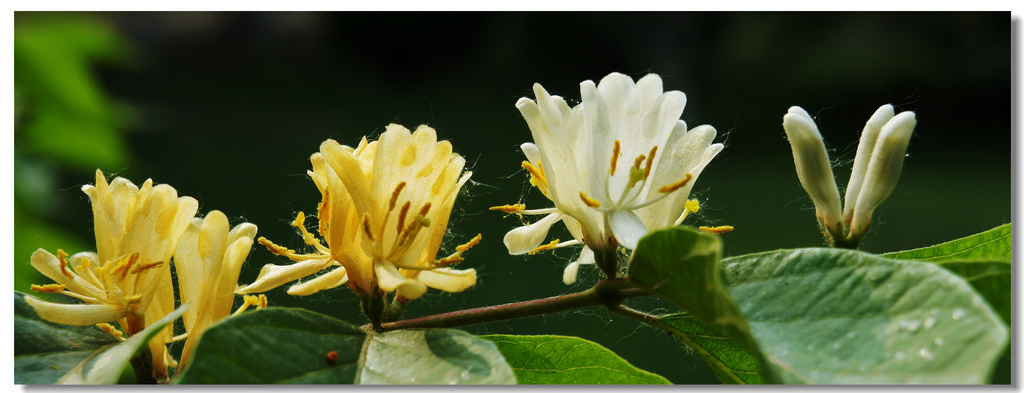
(227, 108)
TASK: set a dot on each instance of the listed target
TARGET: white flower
(876, 169)
(616, 166)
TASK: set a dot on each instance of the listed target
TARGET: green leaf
(47, 353)
(732, 364)
(284, 345)
(682, 265)
(558, 360)
(993, 244)
(982, 259)
(835, 316)
(105, 366)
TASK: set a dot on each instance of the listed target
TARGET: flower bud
(813, 167)
(868, 138)
(883, 171)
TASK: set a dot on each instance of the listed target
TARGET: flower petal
(391, 280)
(528, 237)
(448, 280)
(813, 166)
(273, 276)
(868, 138)
(569, 275)
(76, 314)
(331, 279)
(627, 227)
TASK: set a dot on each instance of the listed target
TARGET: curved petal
(331, 279)
(76, 314)
(391, 280)
(448, 280)
(273, 276)
(569, 275)
(528, 237)
(627, 227)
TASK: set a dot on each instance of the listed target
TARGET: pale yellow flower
(383, 215)
(128, 278)
(208, 260)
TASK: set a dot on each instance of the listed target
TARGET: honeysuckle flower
(616, 166)
(128, 278)
(876, 170)
(208, 260)
(384, 212)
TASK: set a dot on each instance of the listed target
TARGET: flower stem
(608, 292)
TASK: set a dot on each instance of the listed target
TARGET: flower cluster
(383, 215)
(128, 279)
(616, 166)
(876, 169)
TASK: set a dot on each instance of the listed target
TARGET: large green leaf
(982, 259)
(47, 353)
(683, 266)
(848, 317)
(732, 364)
(993, 244)
(560, 360)
(283, 345)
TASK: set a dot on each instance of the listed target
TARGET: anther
(274, 248)
(366, 227)
(147, 266)
(537, 173)
(424, 210)
(615, 156)
(650, 161)
(717, 230)
(133, 299)
(472, 242)
(110, 329)
(639, 160)
(394, 196)
(510, 208)
(677, 185)
(544, 247)
(261, 303)
(48, 288)
(402, 213)
(589, 201)
(63, 256)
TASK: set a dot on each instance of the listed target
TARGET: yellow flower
(128, 278)
(384, 212)
(208, 260)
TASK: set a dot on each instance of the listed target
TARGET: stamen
(650, 161)
(544, 247)
(274, 248)
(178, 338)
(589, 201)
(366, 227)
(300, 221)
(261, 303)
(677, 185)
(717, 230)
(48, 288)
(110, 329)
(147, 266)
(394, 195)
(63, 256)
(639, 160)
(247, 300)
(401, 215)
(537, 174)
(423, 211)
(615, 156)
(510, 208)
(472, 242)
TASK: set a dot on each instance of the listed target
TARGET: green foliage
(993, 244)
(560, 360)
(47, 353)
(847, 317)
(282, 345)
(982, 259)
(731, 363)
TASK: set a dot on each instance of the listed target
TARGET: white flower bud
(868, 138)
(883, 171)
(813, 167)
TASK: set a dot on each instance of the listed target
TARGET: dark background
(227, 108)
